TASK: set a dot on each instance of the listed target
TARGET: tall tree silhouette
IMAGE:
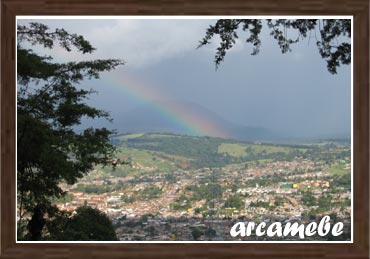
(49, 107)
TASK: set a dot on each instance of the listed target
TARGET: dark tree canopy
(49, 107)
(333, 39)
(88, 224)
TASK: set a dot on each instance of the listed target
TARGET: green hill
(200, 151)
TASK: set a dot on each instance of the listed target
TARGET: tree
(234, 202)
(333, 42)
(88, 224)
(308, 199)
(210, 232)
(49, 107)
(196, 233)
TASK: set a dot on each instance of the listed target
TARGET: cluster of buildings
(138, 217)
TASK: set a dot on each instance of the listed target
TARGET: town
(204, 203)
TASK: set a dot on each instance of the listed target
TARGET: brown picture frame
(360, 11)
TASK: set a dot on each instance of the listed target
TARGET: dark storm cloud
(291, 93)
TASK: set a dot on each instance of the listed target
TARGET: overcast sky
(291, 93)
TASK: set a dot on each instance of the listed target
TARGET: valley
(179, 187)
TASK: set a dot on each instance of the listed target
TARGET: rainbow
(194, 124)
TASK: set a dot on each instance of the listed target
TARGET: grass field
(250, 163)
(144, 161)
(157, 135)
(130, 136)
(235, 150)
(238, 150)
(338, 170)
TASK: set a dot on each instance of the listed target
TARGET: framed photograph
(144, 130)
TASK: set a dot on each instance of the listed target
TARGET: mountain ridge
(147, 119)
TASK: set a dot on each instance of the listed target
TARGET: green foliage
(182, 203)
(234, 201)
(205, 191)
(308, 199)
(180, 206)
(89, 189)
(210, 232)
(333, 43)
(226, 29)
(22, 230)
(324, 202)
(197, 211)
(235, 150)
(56, 224)
(49, 107)
(100, 189)
(128, 199)
(66, 198)
(38, 33)
(263, 204)
(279, 201)
(202, 149)
(87, 225)
(338, 170)
(342, 181)
(196, 233)
(203, 152)
(150, 193)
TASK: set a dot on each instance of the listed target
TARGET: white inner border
(182, 17)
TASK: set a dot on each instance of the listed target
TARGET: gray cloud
(291, 93)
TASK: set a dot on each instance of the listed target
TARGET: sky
(290, 93)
